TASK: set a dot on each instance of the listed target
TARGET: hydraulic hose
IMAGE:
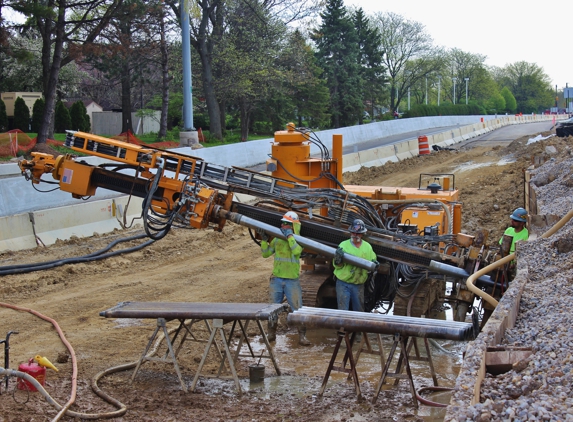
(28, 268)
(489, 299)
(418, 201)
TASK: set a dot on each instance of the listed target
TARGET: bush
(3, 117)
(38, 114)
(62, 120)
(21, 115)
(79, 117)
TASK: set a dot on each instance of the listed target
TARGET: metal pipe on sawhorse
(403, 329)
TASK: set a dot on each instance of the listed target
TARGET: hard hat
(290, 217)
(520, 214)
(357, 226)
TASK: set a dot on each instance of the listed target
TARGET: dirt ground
(208, 266)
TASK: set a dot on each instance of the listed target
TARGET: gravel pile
(539, 388)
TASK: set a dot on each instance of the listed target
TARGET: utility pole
(188, 136)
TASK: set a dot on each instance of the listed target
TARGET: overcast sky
(505, 31)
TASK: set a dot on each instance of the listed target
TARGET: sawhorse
(404, 359)
(349, 339)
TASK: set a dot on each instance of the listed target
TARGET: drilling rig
(415, 232)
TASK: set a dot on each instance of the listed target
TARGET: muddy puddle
(304, 368)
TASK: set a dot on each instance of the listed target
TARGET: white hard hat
(290, 217)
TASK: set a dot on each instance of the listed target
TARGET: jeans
(289, 287)
(350, 294)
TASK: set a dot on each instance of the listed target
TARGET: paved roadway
(500, 136)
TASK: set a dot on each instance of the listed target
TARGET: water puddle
(472, 166)
(303, 370)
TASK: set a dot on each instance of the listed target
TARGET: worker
(518, 232)
(349, 278)
(286, 269)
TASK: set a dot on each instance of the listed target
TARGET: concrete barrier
(45, 227)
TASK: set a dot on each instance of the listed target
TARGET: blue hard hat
(357, 226)
(520, 214)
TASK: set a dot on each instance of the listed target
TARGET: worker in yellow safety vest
(286, 269)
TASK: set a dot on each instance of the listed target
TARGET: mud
(207, 266)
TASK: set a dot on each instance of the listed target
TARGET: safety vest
(350, 273)
(287, 255)
(510, 231)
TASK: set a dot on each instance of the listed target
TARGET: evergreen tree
(21, 115)
(370, 57)
(37, 114)
(79, 117)
(3, 117)
(62, 121)
(338, 54)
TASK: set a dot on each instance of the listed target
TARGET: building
(29, 98)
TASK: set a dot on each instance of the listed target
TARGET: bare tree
(65, 27)
(409, 55)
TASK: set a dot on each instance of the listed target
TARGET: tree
(37, 113)
(21, 115)
(62, 120)
(79, 119)
(370, 57)
(305, 85)
(338, 54)
(403, 41)
(467, 65)
(3, 117)
(496, 104)
(510, 103)
(65, 26)
(529, 84)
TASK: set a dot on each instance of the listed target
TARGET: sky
(504, 31)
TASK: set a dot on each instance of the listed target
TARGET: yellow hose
(489, 299)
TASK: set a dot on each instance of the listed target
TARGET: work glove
(338, 256)
(287, 232)
(264, 236)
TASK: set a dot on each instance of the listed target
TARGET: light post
(454, 79)
(439, 89)
(466, 79)
(426, 90)
(408, 98)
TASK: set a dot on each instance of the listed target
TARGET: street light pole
(467, 79)
(454, 79)
(408, 98)
(439, 89)
(426, 90)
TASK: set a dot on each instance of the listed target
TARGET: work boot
(302, 340)
(271, 332)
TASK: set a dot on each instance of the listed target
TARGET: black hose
(96, 256)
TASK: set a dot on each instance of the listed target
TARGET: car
(564, 128)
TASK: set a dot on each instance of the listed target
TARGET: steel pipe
(303, 241)
(458, 272)
(381, 324)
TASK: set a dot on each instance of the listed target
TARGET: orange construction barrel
(423, 147)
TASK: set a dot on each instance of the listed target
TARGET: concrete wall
(109, 123)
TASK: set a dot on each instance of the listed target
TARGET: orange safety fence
(130, 138)
(15, 141)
